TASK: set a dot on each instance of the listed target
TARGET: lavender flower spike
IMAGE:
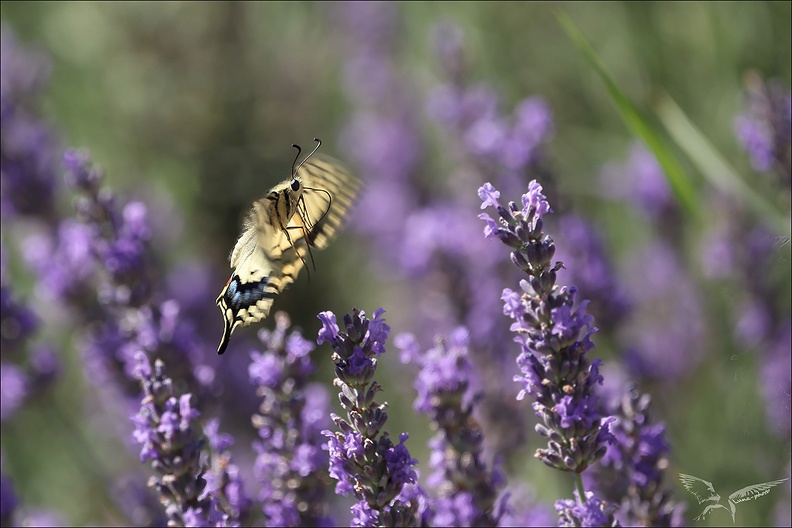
(165, 427)
(363, 459)
(290, 466)
(448, 391)
(553, 334)
(632, 472)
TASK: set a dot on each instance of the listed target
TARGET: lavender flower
(127, 318)
(171, 439)
(765, 127)
(17, 323)
(8, 501)
(555, 337)
(591, 512)
(583, 251)
(640, 180)
(28, 158)
(25, 370)
(448, 393)
(223, 481)
(363, 459)
(665, 331)
(632, 472)
(290, 462)
(776, 382)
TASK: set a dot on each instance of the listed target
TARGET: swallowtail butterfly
(303, 212)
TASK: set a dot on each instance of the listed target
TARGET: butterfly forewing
(326, 174)
(274, 243)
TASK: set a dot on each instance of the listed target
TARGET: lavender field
(562, 295)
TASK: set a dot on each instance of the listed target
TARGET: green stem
(580, 488)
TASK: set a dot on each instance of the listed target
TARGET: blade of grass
(678, 180)
(713, 165)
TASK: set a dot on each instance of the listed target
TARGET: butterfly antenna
(318, 144)
(299, 150)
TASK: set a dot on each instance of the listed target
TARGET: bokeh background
(191, 108)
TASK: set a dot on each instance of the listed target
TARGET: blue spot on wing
(239, 295)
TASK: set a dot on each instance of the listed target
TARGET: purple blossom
(172, 440)
(127, 319)
(632, 472)
(382, 137)
(665, 329)
(555, 337)
(591, 512)
(28, 157)
(72, 248)
(363, 459)
(776, 382)
(641, 181)
(8, 501)
(291, 416)
(765, 127)
(13, 389)
(25, 371)
(447, 387)
(590, 267)
(17, 322)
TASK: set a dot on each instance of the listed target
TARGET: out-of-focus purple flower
(718, 260)
(13, 389)
(525, 510)
(641, 181)
(24, 370)
(765, 127)
(8, 501)
(383, 135)
(665, 328)
(28, 157)
(591, 512)
(363, 458)
(290, 465)
(223, 482)
(555, 336)
(632, 472)
(582, 251)
(776, 382)
(166, 428)
(72, 249)
(129, 319)
(17, 322)
(447, 388)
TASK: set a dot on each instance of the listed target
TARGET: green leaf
(678, 179)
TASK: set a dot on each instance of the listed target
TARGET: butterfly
(303, 212)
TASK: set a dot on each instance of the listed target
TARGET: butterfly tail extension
(228, 328)
(228, 319)
(243, 303)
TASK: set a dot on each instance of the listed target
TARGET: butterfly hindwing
(274, 245)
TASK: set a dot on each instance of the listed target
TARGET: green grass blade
(678, 179)
(714, 167)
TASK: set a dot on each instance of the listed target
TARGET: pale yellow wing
(267, 258)
(328, 191)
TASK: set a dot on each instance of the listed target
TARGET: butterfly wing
(329, 192)
(268, 256)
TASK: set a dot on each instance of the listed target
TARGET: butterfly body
(296, 215)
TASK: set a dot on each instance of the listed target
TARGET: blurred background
(191, 108)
